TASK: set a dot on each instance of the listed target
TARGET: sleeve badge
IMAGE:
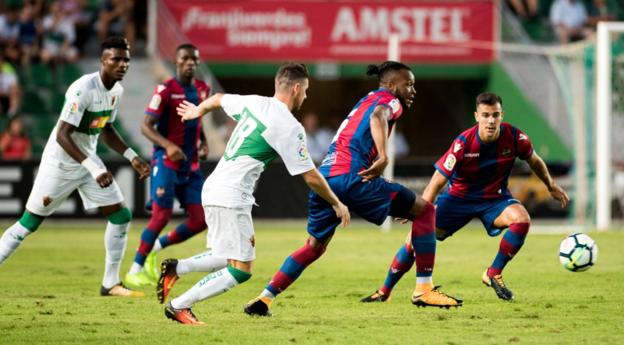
(449, 162)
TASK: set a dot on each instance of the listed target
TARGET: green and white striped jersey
(89, 106)
(266, 129)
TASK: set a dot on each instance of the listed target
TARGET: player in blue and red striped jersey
(175, 165)
(353, 166)
(476, 168)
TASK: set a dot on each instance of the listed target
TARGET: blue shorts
(167, 184)
(453, 213)
(373, 201)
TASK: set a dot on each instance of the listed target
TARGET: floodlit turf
(49, 294)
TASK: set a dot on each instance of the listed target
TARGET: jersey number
(343, 125)
(241, 132)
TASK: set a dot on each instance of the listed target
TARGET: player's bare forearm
(319, 185)
(536, 163)
(148, 130)
(379, 132)
(541, 170)
(189, 111)
(64, 139)
(211, 103)
(113, 140)
(434, 187)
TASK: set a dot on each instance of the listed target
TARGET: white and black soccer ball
(578, 252)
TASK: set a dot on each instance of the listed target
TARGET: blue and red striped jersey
(167, 96)
(353, 149)
(477, 170)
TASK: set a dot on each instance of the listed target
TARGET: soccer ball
(578, 252)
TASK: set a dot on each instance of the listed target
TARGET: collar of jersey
(101, 83)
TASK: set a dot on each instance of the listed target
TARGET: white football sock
(424, 280)
(211, 285)
(115, 239)
(268, 294)
(157, 246)
(135, 268)
(203, 262)
(11, 239)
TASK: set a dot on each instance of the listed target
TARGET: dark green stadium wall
(443, 107)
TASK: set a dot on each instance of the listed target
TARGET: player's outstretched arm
(318, 184)
(379, 132)
(541, 170)
(190, 111)
(434, 187)
(113, 140)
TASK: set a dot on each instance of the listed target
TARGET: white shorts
(49, 191)
(230, 232)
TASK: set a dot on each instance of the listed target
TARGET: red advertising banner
(342, 31)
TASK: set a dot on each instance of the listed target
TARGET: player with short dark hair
(476, 168)
(353, 166)
(266, 129)
(70, 162)
(175, 165)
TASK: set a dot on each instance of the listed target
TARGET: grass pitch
(50, 295)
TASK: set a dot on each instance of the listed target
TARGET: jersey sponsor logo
(155, 102)
(449, 162)
(457, 147)
(471, 154)
(523, 136)
(99, 122)
(506, 152)
(178, 96)
(395, 105)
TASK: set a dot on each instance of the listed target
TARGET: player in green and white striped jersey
(70, 162)
(266, 129)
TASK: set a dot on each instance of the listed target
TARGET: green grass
(50, 294)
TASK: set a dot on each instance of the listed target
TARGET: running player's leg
(450, 215)
(401, 263)
(16, 233)
(400, 200)
(110, 201)
(424, 244)
(115, 240)
(190, 196)
(232, 236)
(162, 192)
(47, 195)
(322, 223)
(515, 217)
(380, 198)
